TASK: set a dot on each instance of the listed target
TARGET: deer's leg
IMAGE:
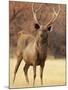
(41, 73)
(34, 69)
(19, 59)
(26, 67)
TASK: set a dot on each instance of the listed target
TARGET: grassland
(54, 74)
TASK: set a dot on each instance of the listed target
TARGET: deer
(33, 49)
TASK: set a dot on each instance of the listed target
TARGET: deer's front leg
(34, 70)
(26, 67)
(41, 73)
(19, 59)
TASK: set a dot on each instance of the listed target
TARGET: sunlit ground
(54, 74)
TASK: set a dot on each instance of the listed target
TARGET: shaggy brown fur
(33, 50)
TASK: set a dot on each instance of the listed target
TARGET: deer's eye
(36, 26)
(49, 28)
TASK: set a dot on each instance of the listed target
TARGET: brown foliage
(21, 20)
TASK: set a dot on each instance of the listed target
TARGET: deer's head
(42, 31)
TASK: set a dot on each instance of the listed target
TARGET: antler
(54, 16)
(34, 12)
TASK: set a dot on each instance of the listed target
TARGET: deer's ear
(50, 28)
(37, 26)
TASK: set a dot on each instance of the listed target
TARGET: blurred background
(21, 19)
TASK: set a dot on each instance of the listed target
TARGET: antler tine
(34, 12)
(38, 8)
(56, 13)
(54, 16)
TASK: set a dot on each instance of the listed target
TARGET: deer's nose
(41, 34)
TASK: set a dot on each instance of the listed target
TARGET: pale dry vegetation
(54, 74)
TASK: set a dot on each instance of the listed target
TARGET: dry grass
(54, 74)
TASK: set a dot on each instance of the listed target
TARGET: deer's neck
(41, 48)
(42, 45)
(42, 42)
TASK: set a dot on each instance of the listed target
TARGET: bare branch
(15, 13)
